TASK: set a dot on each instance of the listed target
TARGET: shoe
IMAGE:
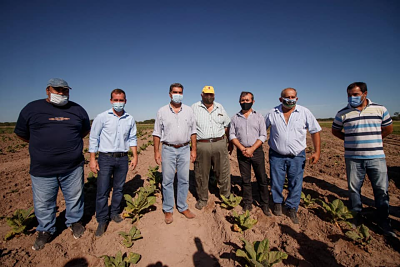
(200, 205)
(168, 217)
(77, 229)
(188, 214)
(387, 228)
(41, 240)
(277, 209)
(248, 207)
(101, 229)
(356, 220)
(292, 213)
(116, 218)
(265, 210)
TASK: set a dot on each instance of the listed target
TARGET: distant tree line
(151, 121)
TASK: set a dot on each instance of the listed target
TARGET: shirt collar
(110, 111)
(240, 113)
(172, 110)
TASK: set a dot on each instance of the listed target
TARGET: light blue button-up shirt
(290, 138)
(111, 133)
(175, 128)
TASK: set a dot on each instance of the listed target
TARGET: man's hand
(193, 156)
(248, 152)
(94, 166)
(314, 158)
(134, 163)
(157, 157)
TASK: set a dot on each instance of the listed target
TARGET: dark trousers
(258, 163)
(110, 167)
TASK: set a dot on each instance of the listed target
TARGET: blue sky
(317, 47)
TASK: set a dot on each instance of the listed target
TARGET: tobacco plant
(155, 177)
(129, 238)
(307, 200)
(242, 222)
(259, 255)
(360, 235)
(144, 198)
(231, 202)
(20, 220)
(337, 211)
(121, 260)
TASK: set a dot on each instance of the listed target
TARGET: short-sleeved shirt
(210, 124)
(290, 138)
(175, 128)
(55, 136)
(363, 130)
(111, 133)
(248, 130)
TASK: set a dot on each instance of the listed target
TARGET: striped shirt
(290, 139)
(248, 130)
(210, 124)
(363, 130)
(175, 128)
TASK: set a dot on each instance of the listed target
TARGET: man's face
(117, 98)
(290, 94)
(207, 98)
(356, 91)
(246, 99)
(57, 90)
(176, 90)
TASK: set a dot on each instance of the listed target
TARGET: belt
(210, 140)
(177, 145)
(115, 154)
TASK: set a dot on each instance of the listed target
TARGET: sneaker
(116, 218)
(200, 205)
(248, 207)
(41, 240)
(292, 213)
(387, 228)
(265, 210)
(277, 209)
(101, 228)
(77, 229)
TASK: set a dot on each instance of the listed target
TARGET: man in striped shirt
(364, 125)
(212, 123)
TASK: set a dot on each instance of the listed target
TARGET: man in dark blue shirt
(54, 128)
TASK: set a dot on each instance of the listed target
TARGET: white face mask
(58, 100)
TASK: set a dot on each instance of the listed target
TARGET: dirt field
(208, 239)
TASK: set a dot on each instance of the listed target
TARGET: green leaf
(275, 257)
(249, 249)
(133, 258)
(262, 248)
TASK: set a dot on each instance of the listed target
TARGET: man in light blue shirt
(289, 123)
(113, 134)
(175, 127)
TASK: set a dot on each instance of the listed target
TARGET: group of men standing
(203, 134)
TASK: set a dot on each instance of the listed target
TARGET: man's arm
(23, 139)
(338, 133)
(93, 164)
(193, 152)
(316, 139)
(134, 160)
(387, 130)
(157, 154)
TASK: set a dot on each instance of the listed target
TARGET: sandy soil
(208, 239)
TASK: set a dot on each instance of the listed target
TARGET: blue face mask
(118, 106)
(177, 98)
(355, 101)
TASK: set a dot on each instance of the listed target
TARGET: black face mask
(208, 99)
(246, 106)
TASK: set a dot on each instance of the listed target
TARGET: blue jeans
(45, 190)
(175, 160)
(376, 170)
(110, 167)
(293, 167)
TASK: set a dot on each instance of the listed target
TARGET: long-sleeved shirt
(175, 128)
(111, 133)
(210, 124)
(248, 130)
(290, 138)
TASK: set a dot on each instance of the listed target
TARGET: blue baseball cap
(57, 82)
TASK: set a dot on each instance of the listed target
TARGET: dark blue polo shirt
(55, 136)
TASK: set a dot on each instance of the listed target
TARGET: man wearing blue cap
(54, 128)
